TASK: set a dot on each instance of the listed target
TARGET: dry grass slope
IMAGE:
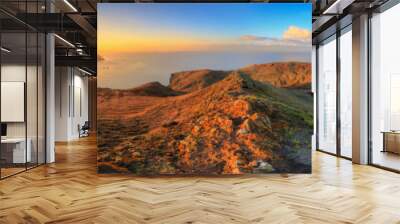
(235, 125)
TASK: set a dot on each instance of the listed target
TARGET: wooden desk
(391, 141)
(13, 150)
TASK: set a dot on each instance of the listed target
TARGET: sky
(140, 43)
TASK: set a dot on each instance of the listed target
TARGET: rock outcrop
(189, 81)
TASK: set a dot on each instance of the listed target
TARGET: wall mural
(204, 89)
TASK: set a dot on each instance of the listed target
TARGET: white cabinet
(19, 155)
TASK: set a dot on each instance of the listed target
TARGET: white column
(50, 92)
(50, 98)
(360, 90)
(63, 100)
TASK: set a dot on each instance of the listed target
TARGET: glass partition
(14, 155)
(327, 96)
(22, 88)
(31, 100)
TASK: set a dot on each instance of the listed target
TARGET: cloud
(296, 33)
(252, 38)
(293, 36)
(259, 42)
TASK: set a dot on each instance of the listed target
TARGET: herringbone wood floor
(70, 191)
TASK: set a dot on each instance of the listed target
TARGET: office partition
(22, 77)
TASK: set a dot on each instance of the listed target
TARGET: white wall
(314, 90)
(33, 127)
(81, 94)
(71, 87)
(16, 73)
(62, 82)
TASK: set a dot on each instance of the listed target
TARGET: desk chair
(84, 130)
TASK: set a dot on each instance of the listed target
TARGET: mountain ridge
(295, 75)
(279, 74)
(147, 89)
